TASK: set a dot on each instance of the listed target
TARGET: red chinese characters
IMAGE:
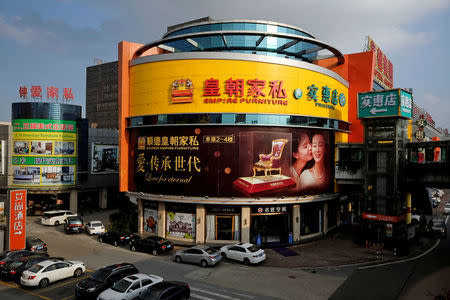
(23, 92)
(36, 91)
(68, 94)
(234, 87)
(52, 92)
(211, 87)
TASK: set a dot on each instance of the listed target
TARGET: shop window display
(311, 217)
(223, 227)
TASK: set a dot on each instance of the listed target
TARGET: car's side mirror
(130, 290)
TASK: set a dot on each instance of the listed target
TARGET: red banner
(393, 219)
(17, 219)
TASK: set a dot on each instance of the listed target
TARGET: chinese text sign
(17, 219)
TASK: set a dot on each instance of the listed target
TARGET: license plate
(127, 238)
(260, 255)
(40, 247)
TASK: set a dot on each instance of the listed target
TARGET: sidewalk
(337, 249)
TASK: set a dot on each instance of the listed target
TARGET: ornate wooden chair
(271, 162)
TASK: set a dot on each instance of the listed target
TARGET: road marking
(211, 293)
(195, 296)
(404, 260)
(64, 283)
(67, 298)
(23, 290)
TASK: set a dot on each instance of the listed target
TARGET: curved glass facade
(238, 26)
(239, 119)
(48, 111)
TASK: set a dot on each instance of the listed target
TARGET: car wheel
(100, 239)
(203, 263)
(224, 256)
(56, 223)
(177, 259)
(116, 243)
(133, 248)
(43, 283)
(246, 261)
(155, 252)
(77, 272)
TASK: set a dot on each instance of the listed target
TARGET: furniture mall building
(230, 131)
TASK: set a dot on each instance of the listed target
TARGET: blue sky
(51, 42)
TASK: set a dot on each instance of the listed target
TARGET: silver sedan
(205, 256)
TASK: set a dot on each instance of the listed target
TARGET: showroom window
(223, 223)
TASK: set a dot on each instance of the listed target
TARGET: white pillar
(296, 222)
(245, 224)
(162, 219)
(140, 206)
(74, 200)
(103, 198)
(200, 213)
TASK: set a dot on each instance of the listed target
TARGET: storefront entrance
(272, 227)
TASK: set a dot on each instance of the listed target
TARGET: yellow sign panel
(229, 86)
(24, 135)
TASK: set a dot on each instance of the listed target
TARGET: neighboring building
(424, 127)
(101, 96)
(45, 153)
(213, 132)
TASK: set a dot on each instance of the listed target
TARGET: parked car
(116, 238)
(74, 225)
(153, 244)
(130, 287)
(438, 228)
(51, 270)
(13, 269)
(244, 252)
(35, 244)
(166, 290)
(9, 255)
(95, 227)
(447, 209)
(56, 217)
(103, 279)
(205, 256)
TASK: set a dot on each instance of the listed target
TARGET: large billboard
(105, 158)
(231, 86)
(387, 103)
(233, 161)
(44, 152)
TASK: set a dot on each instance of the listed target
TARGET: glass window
(310, 218)
(121, 286)
(146, 282)
(223, 227)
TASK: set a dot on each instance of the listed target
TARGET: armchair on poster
(271, 162)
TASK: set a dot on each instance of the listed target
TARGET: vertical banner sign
(17, 219)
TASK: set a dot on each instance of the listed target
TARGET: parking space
(59, 290)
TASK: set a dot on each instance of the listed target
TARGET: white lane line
(211, 293)
(404, 260)
(195, 296)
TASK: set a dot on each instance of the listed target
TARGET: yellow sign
(230, 86)
(66, 136)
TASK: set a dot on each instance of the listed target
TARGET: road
(422, 278)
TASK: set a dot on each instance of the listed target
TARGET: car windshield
(35, 241)
(16, 264)
(96, 225)
(100, 275)
(75, 222)
(210, 250)
(35, 268)
(161, 241)
(121, 286)
(253, 249)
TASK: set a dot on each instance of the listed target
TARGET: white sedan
(244, 252)
(41, 274)
(130, 287)
(95, 227)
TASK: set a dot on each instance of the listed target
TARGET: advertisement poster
(105, 158)
(151, 220)
(44, 152)
(243, 162)
(181, 225)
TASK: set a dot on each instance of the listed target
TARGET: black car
(103, 279)
(116, 238)
(74, 225)
(438, 228)
(13, 269)
(9, 255)
(167, 290)
(35, 244)
(153, 244)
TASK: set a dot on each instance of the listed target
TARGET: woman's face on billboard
(318, 147)
(304, 148)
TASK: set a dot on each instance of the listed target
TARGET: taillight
(33, 248)
(31, 277)
(45, 245)
(255, 255)
(2, 262)
(12, 272)
(122, 237)
(212, 257)
(163, 247)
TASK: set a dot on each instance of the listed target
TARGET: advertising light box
(44, 152)
(387, 103)
(233, 161)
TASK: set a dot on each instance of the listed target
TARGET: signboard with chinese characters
(231, 86)
(50, 93)
(17, 218)
(389, 103)
(383, 72)
(44, 152)
(232, 161)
